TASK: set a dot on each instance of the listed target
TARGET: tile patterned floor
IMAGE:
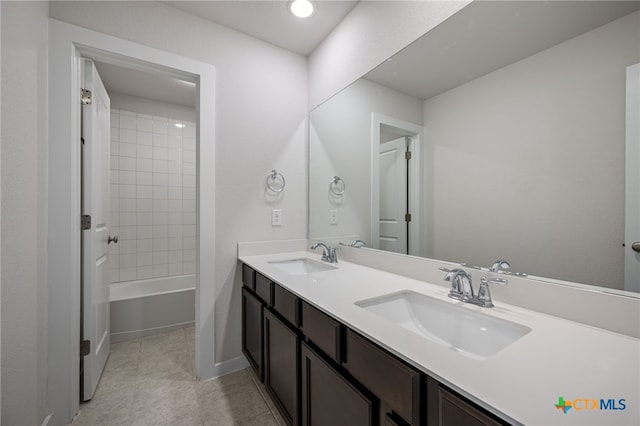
(151, 381)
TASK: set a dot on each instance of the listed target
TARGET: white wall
(522, 155)
(372, 32)
(260, 125)
(340, 145)
(24, 210)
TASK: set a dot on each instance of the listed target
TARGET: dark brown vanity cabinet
(328, 398)
(256, 293)
(252, 324)
(281, 366)
(321, 373)
(279, 347)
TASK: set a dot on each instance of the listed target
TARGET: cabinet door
(252, 341)
(281, 349)
(328, 399)
(454, 411)
(388, 378)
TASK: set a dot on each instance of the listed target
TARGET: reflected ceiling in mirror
(514, 113)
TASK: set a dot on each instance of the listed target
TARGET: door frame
(632, 174)
(67, 44)
(415, 195)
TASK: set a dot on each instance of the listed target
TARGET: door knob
(636, 246)
(112, 239)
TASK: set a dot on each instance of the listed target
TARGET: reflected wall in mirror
(516, 112)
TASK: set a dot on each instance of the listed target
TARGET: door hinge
(407, 155)
(85, 347)
(85, 222)
(85, 96)
(407, 217)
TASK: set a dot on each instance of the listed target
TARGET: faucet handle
(333, 254)
(484, 295)
(499, 281)
(447, 270)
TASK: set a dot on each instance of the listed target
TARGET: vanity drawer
(322, 330)
(286, 304)
(264, 288)
(248, 277)
(390, 379)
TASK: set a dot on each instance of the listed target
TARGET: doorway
(394, 212)
(68, 45)
(145, 183)
(396, 170)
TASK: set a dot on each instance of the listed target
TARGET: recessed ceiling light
(302, 8)
(180, 125)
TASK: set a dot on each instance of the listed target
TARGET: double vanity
(342, 343)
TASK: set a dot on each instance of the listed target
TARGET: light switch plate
(333, 217)
(276, 217)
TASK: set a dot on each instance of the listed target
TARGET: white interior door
(95, 203)
(393, 195)
(632, 184)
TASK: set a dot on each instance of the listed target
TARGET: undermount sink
(459, 328)
(301, 266)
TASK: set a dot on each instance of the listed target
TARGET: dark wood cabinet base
(321, 373)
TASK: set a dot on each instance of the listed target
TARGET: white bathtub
(146, 307)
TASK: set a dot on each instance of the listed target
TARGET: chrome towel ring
(275, 181)
(337, 186)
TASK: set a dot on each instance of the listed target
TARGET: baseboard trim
(212, 371)
(138, 334)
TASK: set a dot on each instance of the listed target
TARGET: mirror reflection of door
(394, 195)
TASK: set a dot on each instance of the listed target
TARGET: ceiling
(267, 20)
(146, 85)
(271, 21)
(486, 36)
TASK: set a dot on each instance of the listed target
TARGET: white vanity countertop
(520, 383)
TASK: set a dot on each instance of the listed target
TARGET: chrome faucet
(329, 254)
(358, 243)
(462, 288)
(500, 266)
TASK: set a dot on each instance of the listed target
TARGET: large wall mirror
(500, 134)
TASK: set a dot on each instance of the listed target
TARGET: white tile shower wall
(152, 195)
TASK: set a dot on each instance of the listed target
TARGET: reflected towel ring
(337, 186)
(274, 178)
